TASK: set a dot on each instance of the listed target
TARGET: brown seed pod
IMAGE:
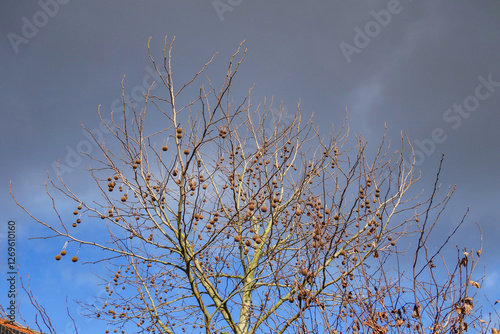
(179, 135)
(263, 208)
(116, 177)
(186, 151)
(134, 166)
(178, 130)
(164, 148)
(248, 243)
(78, 221)
(63, 252)
(75, 212)
(58, 257)
(237, 238)
(74, 259)
(74, 224)
(103, 216)
(138, 161)
(79, 207)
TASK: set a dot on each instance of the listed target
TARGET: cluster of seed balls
(63, 252)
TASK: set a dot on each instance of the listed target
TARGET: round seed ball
(58, 257)
(74, 259)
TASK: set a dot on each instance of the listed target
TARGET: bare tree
(220, 224)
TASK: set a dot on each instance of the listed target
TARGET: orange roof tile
(7, 327)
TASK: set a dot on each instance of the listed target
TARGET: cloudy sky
(427, 68)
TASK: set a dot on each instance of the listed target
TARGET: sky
(428, 69)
